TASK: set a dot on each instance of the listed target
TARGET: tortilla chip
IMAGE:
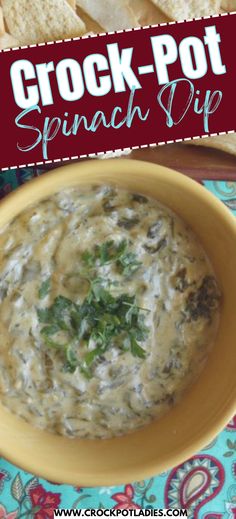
(111, 15)
(147, 13)
(187, 9)
(228, 5)
(2, 27)
(72, 3)
(7, 41)
(90, 33)
(42, 21)
(221, 142)
(91, 25)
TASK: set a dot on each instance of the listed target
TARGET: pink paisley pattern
(194, 483)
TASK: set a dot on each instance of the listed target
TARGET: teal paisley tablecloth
(205, 484)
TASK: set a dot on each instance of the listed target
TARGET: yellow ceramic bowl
(206, 407)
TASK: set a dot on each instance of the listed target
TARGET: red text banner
(141, 87)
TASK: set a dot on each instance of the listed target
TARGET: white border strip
(141, 28)
(99, 153)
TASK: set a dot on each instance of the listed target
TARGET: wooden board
(195, 161)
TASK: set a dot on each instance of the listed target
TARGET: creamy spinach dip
(109, 308)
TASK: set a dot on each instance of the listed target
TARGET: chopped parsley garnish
(83, 332)
(128, 264)
(126, 261)
(45, 288)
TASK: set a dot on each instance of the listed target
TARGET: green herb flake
(45, 288)
(137, 350)
(53, 344)
(49, 330)
(44, 315)
(91, 356)
(128, 264)
(71, 357)
(88, 259)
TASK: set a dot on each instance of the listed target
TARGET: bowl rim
(167, 175)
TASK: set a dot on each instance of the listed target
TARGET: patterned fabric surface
(205, 484)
